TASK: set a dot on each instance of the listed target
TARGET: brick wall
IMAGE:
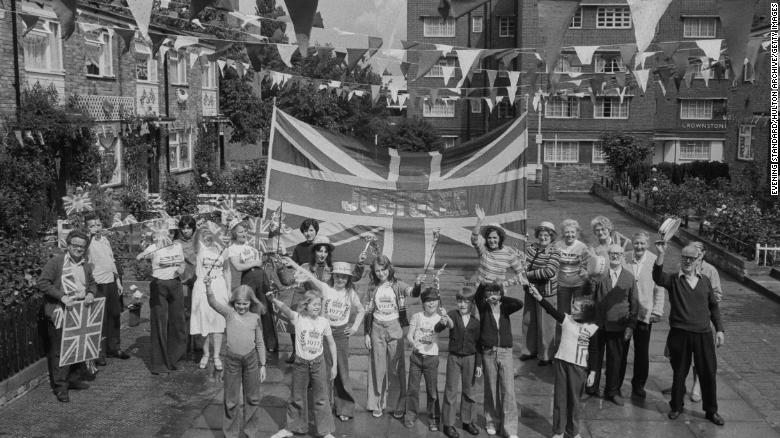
(7, 91)
(569, 178)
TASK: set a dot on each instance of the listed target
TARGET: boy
(424, 360)
(109, 285)
(464, 364)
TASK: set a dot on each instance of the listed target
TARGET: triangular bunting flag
(737, 18)
(556, 16)
(585, 53)
(511, 92)
(680, 63)
(444, 49)
(127, 36)
(426, 59)
(302, 14)
(754, 45)
(466, 60)
(142, 12)
(447, 71)
(620, 78)
(157, 40)
(374, 94)
(592, 96)
(285, 52)
(514, 76)
(711, 48)
(491, 74)
(668, 48)
(193, 59)
(374, 43)
(255, 53)
(458, 8)
(353, 56)
(688, 78)
(490, 104)
(221, 64)
(627, 52)
(641, 57)
(318, 23)
(66, 14)
(29, 21)
(184, 41)
(645, 14)
(641, 78)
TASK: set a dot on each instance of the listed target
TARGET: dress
(204, 319)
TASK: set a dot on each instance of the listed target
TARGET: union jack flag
(81, 330)
(356, 188)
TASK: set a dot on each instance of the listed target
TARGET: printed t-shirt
(309, 334)
(575, 338)
(165, 260)
(386, 305)
(424, 336)
(337, 305)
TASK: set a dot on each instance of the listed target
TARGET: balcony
(106, 108)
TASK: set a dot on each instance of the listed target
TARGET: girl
(205, 320)
(309, 368)
(302, 254)
(384, 322)
(185, 238)
(168, 332)
(244, 350)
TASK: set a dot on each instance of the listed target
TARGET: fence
(768, 260)
(22, 337)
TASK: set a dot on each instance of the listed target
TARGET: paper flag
(286, 52)
(681, 63)
(221, 64)
(374, 93)
(302, 14)
(711, 48)
(556, 16)
(184, 41)
(447, 71)
(641, 57)
(29, 21)
(490, 104)
(66, 14)
(142, 12)
(641, 78)
(426, 59)
(753, 46)
(127, 36)
(374, 43)
(193, 59)
(157, 41)
(466, 60)
(458, 8)
(737, 18)
(585, 53)
(668, 48)
(645, 15)
(255, 53)
(627, 52)
(353, 56)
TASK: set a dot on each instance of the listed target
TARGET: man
(711, 273)
(64, 279)
(109, 286)
(616, 313)
(693, 306)
(651, 307)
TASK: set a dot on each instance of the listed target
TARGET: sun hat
(343, 268)
(548, 225)
(320, 241)
(669, 227)
(493, 227)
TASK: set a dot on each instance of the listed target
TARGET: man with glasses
(693, 305)
(65, 279)
(616, 314)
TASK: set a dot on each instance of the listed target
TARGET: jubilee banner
(81, 329)
(405, 200)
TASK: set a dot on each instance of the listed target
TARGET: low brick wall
(569, 178)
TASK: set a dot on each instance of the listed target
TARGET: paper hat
(669, 228)
(343, 268)
(320, 241)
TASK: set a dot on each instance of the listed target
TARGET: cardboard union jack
(81, 332)
(356, 188)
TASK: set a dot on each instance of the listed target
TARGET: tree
(621, 152)
(414, 135)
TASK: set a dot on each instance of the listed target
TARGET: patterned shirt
(542, 268)
(494, 264)
(573, 259)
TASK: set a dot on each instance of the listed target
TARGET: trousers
(242, 373)
(168, 329)
(569, 385)
(421, 365)
(109, 341)
(387, 367)
(460, 369)
(684, 346)
(500, 406)
(340, 388)
(305, 373)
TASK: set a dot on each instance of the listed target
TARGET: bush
(134, 201)
(23, 192)
(21, 261)
(252, 206)
(180, 198)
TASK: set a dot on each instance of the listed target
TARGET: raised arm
(552, 311)
(284, 308)
(659, 276)
(212, 300)
(475, 232)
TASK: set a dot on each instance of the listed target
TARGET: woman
(184, 237)
(573, 271)
(543, 261)
(302, 255)
(597, 253)
(246, 267)
(206, 321)
(495, 258)
(168, 332)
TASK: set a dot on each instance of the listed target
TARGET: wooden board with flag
(355, 188)
(81, 331)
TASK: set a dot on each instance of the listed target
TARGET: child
(245, 348)
(464, 364)
(570, 363)
(302, 254)
(425, 357)
(495, 340)
(309, 368)
(109, 285)
(204, 320)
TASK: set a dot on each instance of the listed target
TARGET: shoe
(101, 362)
(78, 385)
(204, 361)
(63, 397)
(558, 435)
(616, 399)
(343, 418)
(451, 432)
(330, 435)
(639, 393)
(377, 413)
(491, 430)
(398, 415)
(673, 415)
(408, 424)
(290, 359)
(513, 436)
(544, 363)
(591, 391)
(525, 357)
(284, 433)
(471, 428)
(666, 391)
(119, 354)
(218, 364)
(160, 373)
(695, 397)
(433, 427)
(715, 418)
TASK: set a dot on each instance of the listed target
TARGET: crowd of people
(581, 307)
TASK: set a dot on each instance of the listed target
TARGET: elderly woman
(495, 258)
(573, 273)
(605, 236)
(543, 262)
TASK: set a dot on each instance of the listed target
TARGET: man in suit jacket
(651, 308)
(616, 312)
(65, 279)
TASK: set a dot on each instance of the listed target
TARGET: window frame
(686, 114)
(745, 141)
(105, 43)
(598, 110)
(54, 48)
(152, 64)
(476, 106)
(602, 158)
(577, 18)
(603, 21)
(442, 28)
(601, 60)
(454, 139)
(435, 110)
(555, 156)
(208, 76)
(437, 72)
(178, 59)
(474, 21)
(506, 23)
(564, 66)
(180, 134)
(572, 106)
(688, 31)
(694, 156)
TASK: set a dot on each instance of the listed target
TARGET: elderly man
(693, 306)
(64, 279)
(616, 313)
(651, 307)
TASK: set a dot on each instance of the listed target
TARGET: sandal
(377, 413)
(343, 418)
(217, 364)
(204, 361)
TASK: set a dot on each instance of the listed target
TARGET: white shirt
(165, 260)
(386, 306)
(614, 274)
(309, 333)
(575, 338)
(423, 335)
(337, 305)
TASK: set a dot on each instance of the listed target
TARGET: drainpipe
(17, 80)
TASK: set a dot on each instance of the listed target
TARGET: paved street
(126, 400)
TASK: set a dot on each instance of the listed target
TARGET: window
(559, 108)
(476, 106)
(696, 109)
(576, 20)
(440, 108)
(437, 72)
(613, 18)
(179, 149)
(609, 63)
(695, 150)
(438, 27)
(598, 154)
(504, 109)
(208, 78)
(699, 69)
(178, 68)
(449, 141)
(145, 64)
(476, 24)
(506, 27)
(561, 152)
(98, 55)
(564, 66)
(611, 108)
(43, 47)
(699, 27)
(745, 147)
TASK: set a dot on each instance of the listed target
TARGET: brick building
(174, 88)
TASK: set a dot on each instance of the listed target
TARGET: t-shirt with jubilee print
(423, 334)
(309, 334)
(575, 338)
(385, 303)
(337, 305)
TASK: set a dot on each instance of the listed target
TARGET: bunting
(458, 8)
(585, 53)
(645, 15)
(466, 60)
(737, 18)
(556, 16)
(142, 12)
(302, 14)
(66, 14)
(285, 53)
(127, 36)
(29, 20)
(710, 47)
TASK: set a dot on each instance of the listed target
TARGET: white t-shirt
(423, 335)
(337, 305)
(309, 334)
(245, 253)
(386, 306)
(575, 338)
(165, 260)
